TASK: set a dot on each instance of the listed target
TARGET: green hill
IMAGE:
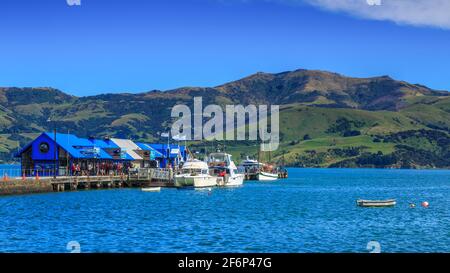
(326, 119)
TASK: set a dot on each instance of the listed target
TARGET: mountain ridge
(315, 105)
(310, 76)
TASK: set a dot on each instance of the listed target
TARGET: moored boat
(268, 172)
(221, 166)
(151, 189)
(195, 173)
(376, 203)
(266, 176)
(251, 168)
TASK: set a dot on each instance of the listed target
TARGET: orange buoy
(425, 204)
(5, 177)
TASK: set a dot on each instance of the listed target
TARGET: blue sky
(137, 45)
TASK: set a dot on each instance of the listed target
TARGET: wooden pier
(139, 178)
(63, 183)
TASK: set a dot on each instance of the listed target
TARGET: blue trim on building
(148, 147)
(43, 150)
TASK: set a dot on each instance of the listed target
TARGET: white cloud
(434, 13)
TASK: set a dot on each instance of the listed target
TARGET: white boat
(267, 173)
(251, 165)
(195, 173)
(221, 166)
(151, 189)
(265, 176)
(251, 168)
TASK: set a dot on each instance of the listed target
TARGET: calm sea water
(312, 211)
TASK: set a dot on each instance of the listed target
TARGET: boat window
(192, 171)
(218, 158)
(220, 170)
(240, 170)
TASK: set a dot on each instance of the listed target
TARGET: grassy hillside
(318, 137)
(326, 119)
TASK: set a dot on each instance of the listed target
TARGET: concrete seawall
(19, 186)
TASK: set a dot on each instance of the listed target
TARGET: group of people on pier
(100, 168)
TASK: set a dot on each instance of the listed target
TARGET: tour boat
(224, 168)
(195, 173)
(251, 168)
(250, 164)
(376, 203)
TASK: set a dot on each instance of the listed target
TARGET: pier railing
(158, 174)
(18, 173)
(152, 174)
(16, 181)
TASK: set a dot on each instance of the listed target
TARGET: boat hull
(263, 176)
(151, 189)
(231, 181)
(376, 203)
(195, 181)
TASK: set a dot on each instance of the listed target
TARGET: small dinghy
(151, 189)
(376, 203)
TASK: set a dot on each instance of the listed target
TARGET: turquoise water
(312, 211)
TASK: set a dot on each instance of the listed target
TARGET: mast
(259, 151)
(270, 155)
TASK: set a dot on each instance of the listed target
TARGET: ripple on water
(312, 211)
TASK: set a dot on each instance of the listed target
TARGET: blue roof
(101, 143)
(84, 148)
(126, 156)
(77, 146)
(68, 141)
(162, 148)
(108, 144)
(147, 147)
